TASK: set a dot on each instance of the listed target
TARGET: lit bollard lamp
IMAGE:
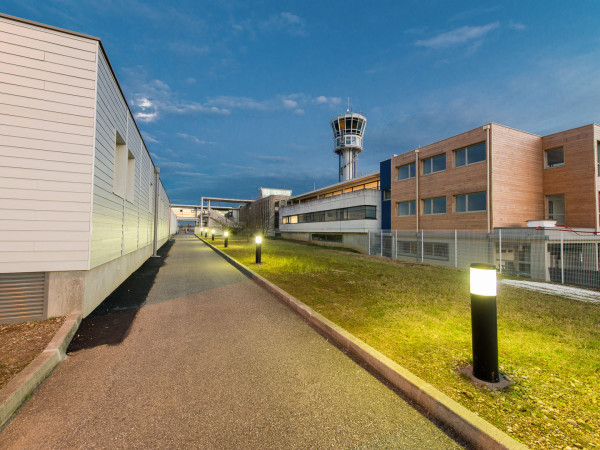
(226, 234)
(484, 325)
(212, 233)
(258, 249)
(206, 232)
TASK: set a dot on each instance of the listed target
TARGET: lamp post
(484, 325)
(258, 249)
(212, 233)
(226, 234)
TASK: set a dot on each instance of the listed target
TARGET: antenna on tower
(348, 110)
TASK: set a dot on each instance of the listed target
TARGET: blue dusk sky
(235, 95)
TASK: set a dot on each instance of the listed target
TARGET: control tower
(348, 130)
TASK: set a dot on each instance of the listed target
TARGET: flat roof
(372, 176)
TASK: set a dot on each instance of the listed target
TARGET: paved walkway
(212, 361)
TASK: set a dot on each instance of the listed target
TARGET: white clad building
(78, 188)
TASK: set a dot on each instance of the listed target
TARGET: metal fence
(556, 255)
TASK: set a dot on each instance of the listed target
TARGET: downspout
(417, 202)
(156, 191)
(596, 150)
(487, 194)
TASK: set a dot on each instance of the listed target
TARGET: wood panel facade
(519, 180)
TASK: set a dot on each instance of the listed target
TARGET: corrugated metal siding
(22, 296)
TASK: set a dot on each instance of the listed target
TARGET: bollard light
(206, 232)
(212, 232)
(258, 250)
(226, 234)
(484, 326)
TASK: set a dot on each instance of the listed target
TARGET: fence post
(562, 260)
(500, 242)
(381, 245)
(369, 241)
(422, 244)
(396, 247)
(455, 248)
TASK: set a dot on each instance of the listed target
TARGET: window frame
(466, 150)
(546, 165)
(424, 207)
(411, 173)
(430, 162)
(467, 211)
(412, 208)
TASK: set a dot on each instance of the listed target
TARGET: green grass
(419, 316)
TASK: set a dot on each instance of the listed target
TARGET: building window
(469, 155)
(332, 215)
(387, 194)
(434, 206)
(555, 157)
(555, 207)
(123, 170)
(436, 250)
(406, 171)
(435, 164)
(407, 248)
(471, 202)
(406, 208)
(326, 237)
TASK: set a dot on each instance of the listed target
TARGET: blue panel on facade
(385, 174)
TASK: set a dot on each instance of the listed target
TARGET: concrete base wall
(356, 241)
(84, 290)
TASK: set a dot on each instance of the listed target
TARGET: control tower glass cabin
(348, 130)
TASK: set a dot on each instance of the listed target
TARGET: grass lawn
(419, 316)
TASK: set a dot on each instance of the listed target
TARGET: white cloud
(516, 26)
(458, 36)
(194, 139)
(156, 98)
(284, 21)
(290, 103)
(149, 138)
(330, 101)
(169, 163)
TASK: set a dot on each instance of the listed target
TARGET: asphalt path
(189, 353)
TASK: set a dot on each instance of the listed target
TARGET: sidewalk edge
(473, 429)
(18, 390)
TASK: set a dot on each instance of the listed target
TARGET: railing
(559, 255)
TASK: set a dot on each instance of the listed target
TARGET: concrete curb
(467, 425)
(16, 392)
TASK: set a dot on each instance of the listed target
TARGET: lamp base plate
(502, 384)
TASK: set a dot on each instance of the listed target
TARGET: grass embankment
(419, 316)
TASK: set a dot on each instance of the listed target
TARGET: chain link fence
(556, 255)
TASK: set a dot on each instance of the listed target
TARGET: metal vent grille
(22, 296)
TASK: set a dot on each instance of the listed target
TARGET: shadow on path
(111, 321)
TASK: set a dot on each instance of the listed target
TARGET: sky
(235, 95)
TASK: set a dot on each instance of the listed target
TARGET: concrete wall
(47, 102)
